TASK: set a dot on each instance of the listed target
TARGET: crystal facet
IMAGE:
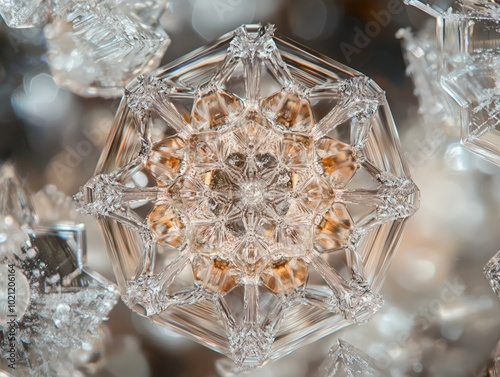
(469, 61)
(252, 196)
(97, 47)
(344, 360)
(58, 304)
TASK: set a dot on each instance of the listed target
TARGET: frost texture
(59, 303)
(344, 360)
(468, 71)
(249, 196)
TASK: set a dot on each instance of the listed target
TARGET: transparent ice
(345, 360)
(468, 65)
(59, 303)
(252, 196)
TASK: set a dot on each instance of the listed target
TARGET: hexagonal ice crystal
(469, 60)
(252, 195)
(96, 47)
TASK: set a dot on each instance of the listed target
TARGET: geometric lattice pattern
(252, 195)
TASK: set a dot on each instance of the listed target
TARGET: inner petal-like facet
(286, 275)
(289, 111)
(211, 111)
(253, 191)
(215, 274)
(336, 159)
(166, 225)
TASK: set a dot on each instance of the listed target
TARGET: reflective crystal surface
(344, 360)
(492, 273)
(57, 304)
(252, 196)
(96, 47)
(469, 46)
(24, 13)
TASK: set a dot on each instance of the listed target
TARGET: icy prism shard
(24, 13)
(345, 360)
(252, 195)
(468, 64)
(51, 305)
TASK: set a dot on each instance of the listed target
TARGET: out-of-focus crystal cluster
(252, 196)
(341, 360)
(422, 59)
(468, 64)
(51, 305)
(95, 47)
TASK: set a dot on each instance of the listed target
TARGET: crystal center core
(252, 193)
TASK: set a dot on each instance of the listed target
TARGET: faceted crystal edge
(215, 111)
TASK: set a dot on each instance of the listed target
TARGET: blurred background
(441, 318)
